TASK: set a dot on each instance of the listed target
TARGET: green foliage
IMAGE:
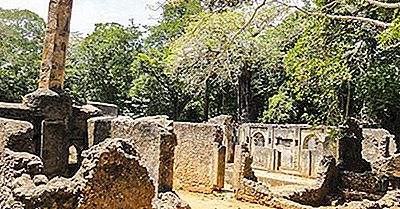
(21, 41)
(391, 36)
(281, 109)
(216, 44)
(316, 72)
(100, 68)
(154, 90)
(175, 17)
(190, 66)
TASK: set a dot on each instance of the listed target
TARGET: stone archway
(310, 142)
(258, 139)
(309, 148)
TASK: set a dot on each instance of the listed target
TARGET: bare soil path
(223, 200)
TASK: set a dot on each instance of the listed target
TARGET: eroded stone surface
(111, 176)
(17, 135)
(318, 194)
(155, 142)
(106, 109)
(169, 200)
(16, 111)
(99, 129)
(199, 157)
(226, 122)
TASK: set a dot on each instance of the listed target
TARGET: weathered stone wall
(377, 145)
(99, 129)
(246, 187)
(226, 122)
(114, 177)
(13, 135)
(78, 124)
(368, 182)
(318, 193)
(199, 157)
(106, 109)
(155, 142)
(292, 148)
(111, 176)
(17, 135)
(16, 111)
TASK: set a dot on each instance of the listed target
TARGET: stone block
(198, 159)
(263, 158)
(152, 137)
(317, 194)
(54, 150)
(113, 176)
(376, 145)
(99, 129)
(228, 140)
(49, 104)
(17, 135)
(368, 182)
(16, 111)
(77, 126)
(106, 109)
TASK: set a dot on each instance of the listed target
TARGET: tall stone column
(51, 107)
(55, 47)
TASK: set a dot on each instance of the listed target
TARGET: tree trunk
(244, 95)
(206, 100)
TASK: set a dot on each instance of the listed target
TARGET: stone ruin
(54, 154)
(300, 166)
(123, 162)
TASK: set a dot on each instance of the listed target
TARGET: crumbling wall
(318, 193)
(111, 176)
(99, 129)
(199, 157)
(226, 122)
(17, 135)
(246, 187)
(16, 111)
(155, 142)
(377, 144)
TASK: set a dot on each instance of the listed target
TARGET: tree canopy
(318, 62)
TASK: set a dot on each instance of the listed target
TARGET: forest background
(260, 61)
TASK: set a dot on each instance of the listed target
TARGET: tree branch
(384, 5)
(250, 20)
(378, 23)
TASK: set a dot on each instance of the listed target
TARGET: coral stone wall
(155, 142)
(114, 177)
(199, 157)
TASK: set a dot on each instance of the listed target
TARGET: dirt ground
(223, 200)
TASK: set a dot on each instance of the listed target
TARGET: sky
(86, 13)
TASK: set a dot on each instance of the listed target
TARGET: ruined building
(54, 154)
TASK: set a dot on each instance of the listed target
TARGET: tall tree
(100, 68)
(223, 47)
(21, 41)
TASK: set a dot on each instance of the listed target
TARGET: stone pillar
(99, 129)
(199, 157)
(242, 167)
(55, 46)
(54, 150)
(54, 111)
(219, 166)
(225, 121)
